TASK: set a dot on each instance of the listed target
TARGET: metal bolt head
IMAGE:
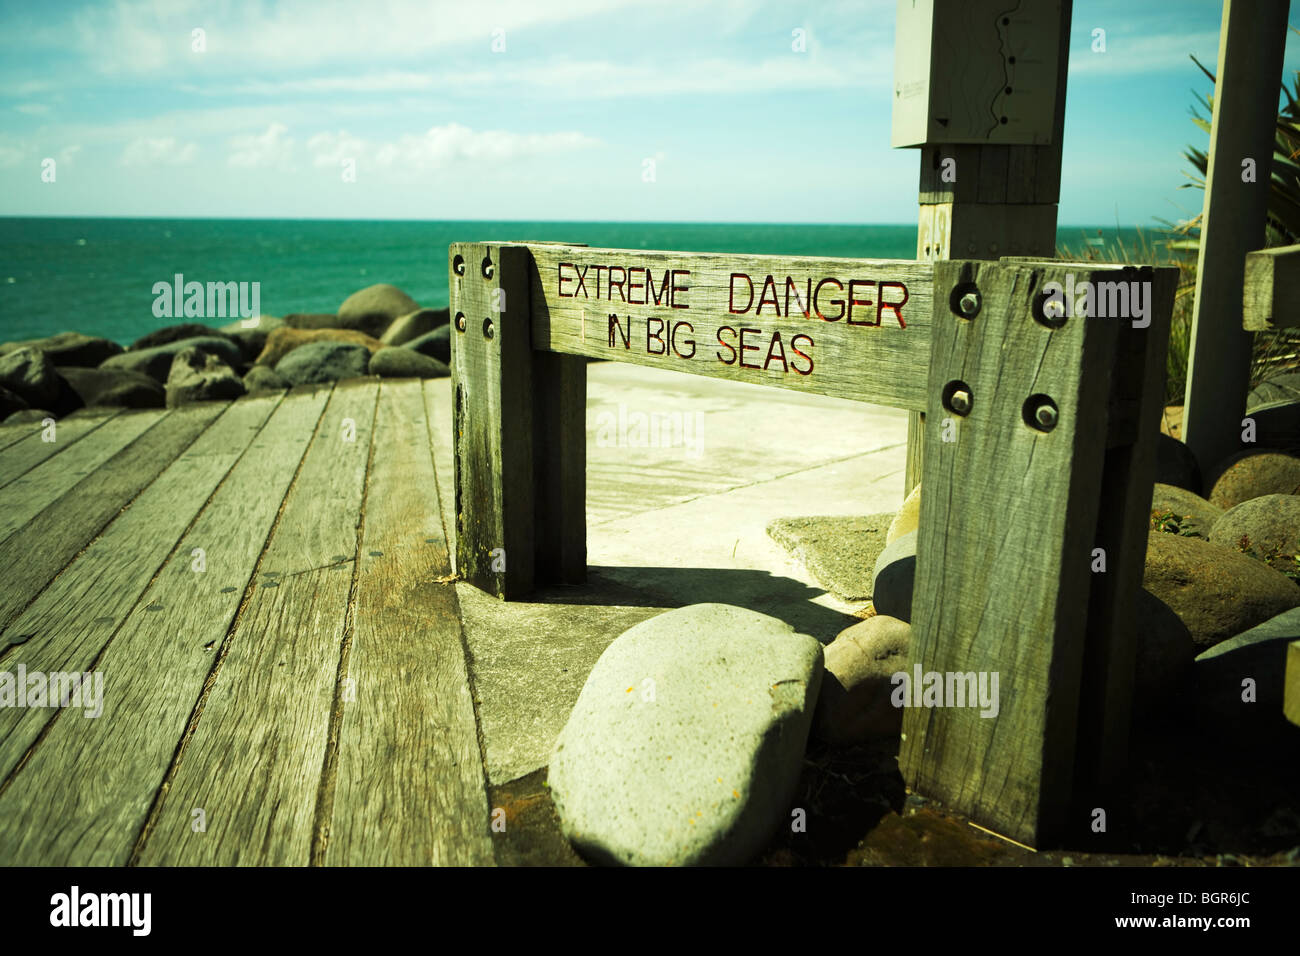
(488, 329)
(960, 402)
(460, 321)
(488, 268)
(1046, 417)
(969, 305)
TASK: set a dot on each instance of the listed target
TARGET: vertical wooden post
(519, 432)
(1251, 42)
(1011, 515)
(1128, 477)
(1002, 202)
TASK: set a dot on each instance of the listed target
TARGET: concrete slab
(684, 474)
(840, 551)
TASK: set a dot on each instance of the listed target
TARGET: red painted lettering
(632, 285)
(794, 347)
(897, 307)
(747, 348)
(854, 300)
(656, 336)
(731, 294)
(727, 345)
(762, 300)
(672, 298)
(776, 344)
(817, 297)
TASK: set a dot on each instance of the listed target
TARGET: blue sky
(555, 126)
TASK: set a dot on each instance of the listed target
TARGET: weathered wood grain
(1128, 476)
(270, 696)
(1008, 521)
(1252, 43)
(154, 669)
(438, 411)
(69, 623)
(25, 497)
(28, 449)
(1272, 294)
(492, 377)
(40, 549)
(801, 331)
(408, 764)
(1291, 687)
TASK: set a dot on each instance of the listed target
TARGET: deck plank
(85, 791)
(52, 538)
(437, 408)
(25, 497)
(27, 450)
(255, 757)
(68, 623)
(408, 763)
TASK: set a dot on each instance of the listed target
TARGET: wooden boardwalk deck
(258, 583)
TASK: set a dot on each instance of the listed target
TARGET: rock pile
(379, 330)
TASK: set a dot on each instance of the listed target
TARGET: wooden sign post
(1040, 437)
(981, 91)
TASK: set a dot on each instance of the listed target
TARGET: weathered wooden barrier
(1041, 382)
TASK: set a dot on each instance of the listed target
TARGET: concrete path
(683, 475)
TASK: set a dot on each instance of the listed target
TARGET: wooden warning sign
(852, 328)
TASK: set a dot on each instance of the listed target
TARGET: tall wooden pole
(1251, 42)
(1002, 202)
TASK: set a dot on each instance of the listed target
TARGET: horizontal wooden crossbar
(1272, 287)
(851, 328)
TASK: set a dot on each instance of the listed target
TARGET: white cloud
(13, 152)
(391, 82)
(269, 150)
(143, 36)
(67, 153)
(605, 79)
(32, 109)
(1128, 53)
(331, 149)
(442, 146)
(166, 151)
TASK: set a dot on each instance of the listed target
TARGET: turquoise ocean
(97, 275)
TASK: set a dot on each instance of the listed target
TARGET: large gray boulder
(407, 327)
(435, 344)
(403, 363)
(69, 348)
(1215, 591)
(28, 373)
(320, 362)
(1195, 515)
(168, 334)
(198, 376)
(115, 387)
(1254, 474)
(262, 378)
(856, 699)
(687, 741)
(891, 591)
(251, 337)
(1264, 526)
(156, 362)
(373, 309)
(11, 403)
